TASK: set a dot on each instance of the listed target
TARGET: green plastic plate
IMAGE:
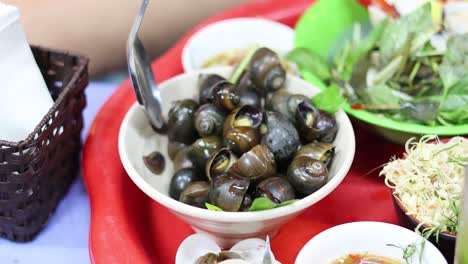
(319, 29)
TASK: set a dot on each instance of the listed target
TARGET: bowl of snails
(244, 152)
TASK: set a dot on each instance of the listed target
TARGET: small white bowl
(137, 138)
(237, 33)
(367, 237)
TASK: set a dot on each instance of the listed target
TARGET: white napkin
(24, 98)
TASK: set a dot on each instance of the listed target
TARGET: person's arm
(99, 28)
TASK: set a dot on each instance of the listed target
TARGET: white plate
(367, 237)
(233, 34)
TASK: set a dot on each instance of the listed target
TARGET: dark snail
(276, 189)
(205, 84)
(227, 191)
(181, 180)
(280, 136)
(180, 123)
(241, 131)
(255, 165)
(202, 149)
(220, 163)
(196, 194)
(307, 175)
(321, 151)
(286, 103)
(209, 120)
(266, 71)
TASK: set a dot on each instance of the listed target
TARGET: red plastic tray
(128, 227)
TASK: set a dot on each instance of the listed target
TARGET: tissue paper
(24, 97)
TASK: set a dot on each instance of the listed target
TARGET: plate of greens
(403, 74)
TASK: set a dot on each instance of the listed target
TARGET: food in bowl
(365, 258)
(428, 182)
(201, 249)
(410, 69)
(246, 144)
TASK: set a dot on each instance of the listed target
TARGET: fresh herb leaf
(263, 203)
(329, 99)
(455, 61)
(397, 33)
(408, 251)
(213, 207)
(381, 94)
(454, 107)
(309, 61)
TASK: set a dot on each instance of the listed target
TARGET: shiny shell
(266, 71)
(173, 147)
(280, 137)
(180, 121)
(205, 84)
(321, 151)
(286, 103)
(202, 149)
(196, 194)
(240, 131)
(327, 127)
(227, 191)
(307, 175)
(220, 163)
(277, 189)
(256, 165)
(182, 160)
(209, 120)
(181, 179)
(306, 115)
(224, 96)
(155, 162)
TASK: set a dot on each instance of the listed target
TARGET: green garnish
(243, 65)
(213, 207)
(409, 251)
(263, 203)
(329, 99)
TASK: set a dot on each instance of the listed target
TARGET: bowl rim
(400, 204)
(376, 225)
(414, 219)
(202, 33)
(184, 209)
(364, 115)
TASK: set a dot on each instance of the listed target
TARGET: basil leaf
(309, 61)
(329, 99)
(213, 207)
(261, 203)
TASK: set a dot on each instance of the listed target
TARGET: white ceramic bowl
(367, 237)
(137, 138)
(234, 34)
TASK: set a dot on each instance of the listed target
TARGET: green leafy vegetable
(307, 59)
(213, 207)
(455, 62)
(454, 108)
(329, 99)
(263, 203)
(408, 251)
(397, 33)
(382, 95)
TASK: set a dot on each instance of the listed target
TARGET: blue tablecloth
(65, 238)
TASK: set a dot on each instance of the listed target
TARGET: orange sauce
(365, 259)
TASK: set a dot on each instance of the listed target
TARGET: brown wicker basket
(35, 173)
